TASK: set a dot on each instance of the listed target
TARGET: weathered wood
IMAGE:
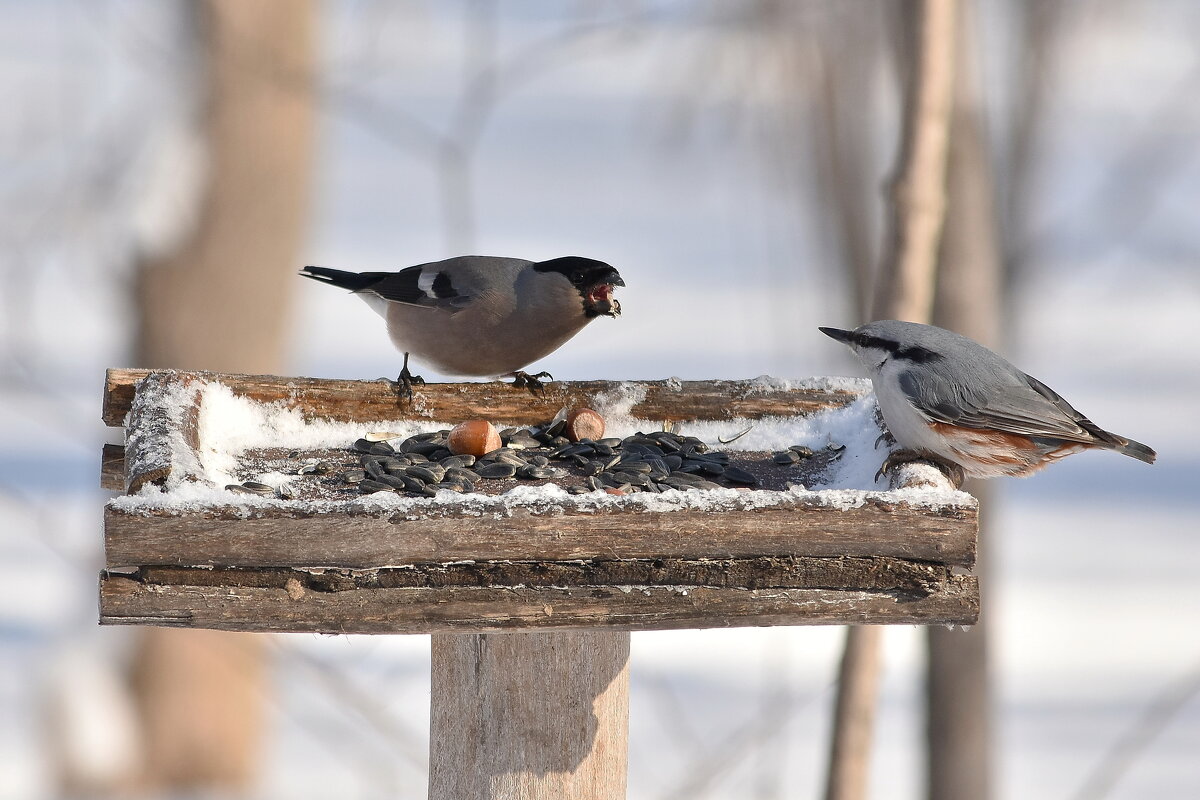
(787, 572)
(529, 716)
(112, 468)
(125, 600)
(167, 411)
(286, 537)
(377, 400)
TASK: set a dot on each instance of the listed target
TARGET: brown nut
(584, 423)
(474, 437)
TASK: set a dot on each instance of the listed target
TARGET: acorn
(474, 437)
(584, 423)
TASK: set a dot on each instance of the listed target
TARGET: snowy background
(1095, 596)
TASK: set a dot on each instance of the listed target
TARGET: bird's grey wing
(1028, 407)
(425, 285)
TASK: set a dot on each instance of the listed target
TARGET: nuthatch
(483, 316)
(951, 400)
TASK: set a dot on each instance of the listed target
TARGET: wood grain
(284, 537)
(112, 468)
(529, 716)
(787, 572)
(364, 401)
(125, 600)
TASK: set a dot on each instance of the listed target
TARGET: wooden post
(527, 716)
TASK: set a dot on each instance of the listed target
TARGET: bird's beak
(612, 278)
(837, 334)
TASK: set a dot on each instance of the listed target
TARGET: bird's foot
(405, 381)
(885, 438)
(531, 382)
(953, 472)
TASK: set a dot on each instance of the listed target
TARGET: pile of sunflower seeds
(643, 462)
(422, 465)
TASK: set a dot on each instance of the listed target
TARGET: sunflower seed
(371, 465)
(425, 448)
(381, 436)
(287, 492)
(801, 450)
(498, 470)
(594, 483)
(634, 478)
(426, 474)
(410, 483)
(354, 475)
(739, 475)
(785, 457)
(454, 487)
(458, 461)
(539, 460)
(459, 474)
(577, 488)
(534, 472)
(374, 448)
(708, 485)
(630, 465)
(369, 486)
(572, 449)
(394, 481)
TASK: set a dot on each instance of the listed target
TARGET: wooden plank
(126, 601)
(529, 716)
(761, 572)
(112, 468)
(284, 537)
(377, 400)
(163, 439)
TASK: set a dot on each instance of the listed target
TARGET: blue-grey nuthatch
(949, 399)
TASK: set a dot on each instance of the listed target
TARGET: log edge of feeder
(281, 536)
(124, 600)
(359, 400)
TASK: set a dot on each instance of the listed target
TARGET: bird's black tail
(354, 281)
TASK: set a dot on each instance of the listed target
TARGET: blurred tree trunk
(969, 288)
(220, 301)
(904, 287)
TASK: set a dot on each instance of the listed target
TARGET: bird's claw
(885, 438)
(953, 472)
(531, 382)
(406, 380)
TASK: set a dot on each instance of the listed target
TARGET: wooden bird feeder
(542, 710)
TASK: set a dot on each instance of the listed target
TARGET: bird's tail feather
(1135, 449)
(354, 281)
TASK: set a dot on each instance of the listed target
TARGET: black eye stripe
(914, 353)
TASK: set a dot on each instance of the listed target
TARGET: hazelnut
(584, 423)
(474, 437)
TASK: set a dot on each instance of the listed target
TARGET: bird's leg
(406, 380)
(521, 378)
(953, 472)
